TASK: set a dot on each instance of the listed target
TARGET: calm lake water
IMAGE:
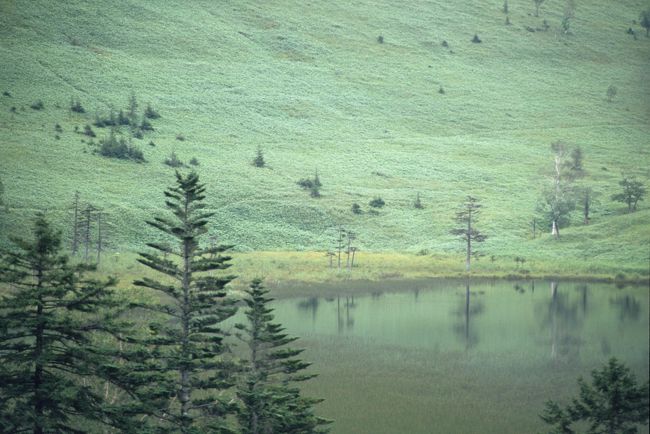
(425, 357)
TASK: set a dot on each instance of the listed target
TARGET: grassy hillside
(311, 85)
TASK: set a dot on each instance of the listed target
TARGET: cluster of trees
(564, 194)
(138, 124)
(112, 147)
(313, 185)
(71, 360)
(343, 245)
(88, 228)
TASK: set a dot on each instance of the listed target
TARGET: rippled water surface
(423, 357)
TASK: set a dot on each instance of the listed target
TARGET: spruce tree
(188, 337)
(52, 320)
(258, 161)
(270, 402)
(466, 217)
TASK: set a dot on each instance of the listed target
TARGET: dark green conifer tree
(270, 402)
(188, 337)
(52, 321)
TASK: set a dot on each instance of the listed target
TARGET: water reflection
(344, 314)
(562, 318)
(628, 306)
(309, 305)
(584, 290)
(439, 348)
(465, 312)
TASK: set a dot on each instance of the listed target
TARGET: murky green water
(440, 357)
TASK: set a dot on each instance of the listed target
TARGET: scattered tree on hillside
(644, 20)
(88, 131)
(613, 403)
(467, 216)
(132, 113)
(356, 208)
(587, 198)
(75, 106)
(569, 14)
(112, 147)
(174, 161)
(270, 402)
(418, 203)
(258, 161)
(150, 112)
(611, 92)
(575, 164)
(537, 3)
(633, 192)
(313, 185)
(377, 202)
(2, 194)
(559, 199)
(505, 7)
(316, 185)
(189, 337)
(50, 328)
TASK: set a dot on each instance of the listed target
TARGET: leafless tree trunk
(75, 223)
(99, 236)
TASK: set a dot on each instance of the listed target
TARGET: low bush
(76, 107)
(377, 202)
(37, 105)
(88, 131)
(150, 113)
(305, 183)
(174, 161)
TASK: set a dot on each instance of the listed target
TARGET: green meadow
(312, 86)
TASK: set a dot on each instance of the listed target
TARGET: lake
(442, 356)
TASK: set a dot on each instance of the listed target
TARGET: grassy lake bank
(293, 273)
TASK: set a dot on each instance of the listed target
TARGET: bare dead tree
(354, 250)
(351, 237)
(339, 244)
(75, 222)
(85, 224)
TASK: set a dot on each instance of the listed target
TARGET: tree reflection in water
(344, 317)
(562, 317)
(629, 309)
(311, 304)
(468, 309)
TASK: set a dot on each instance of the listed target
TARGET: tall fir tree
(52, 321)
(467, 216)
(270, 401)
(188, 337)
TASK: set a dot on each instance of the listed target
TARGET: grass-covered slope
(311, 85)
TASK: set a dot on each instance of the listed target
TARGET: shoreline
(294, 269)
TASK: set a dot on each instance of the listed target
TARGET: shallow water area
(447, 356)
